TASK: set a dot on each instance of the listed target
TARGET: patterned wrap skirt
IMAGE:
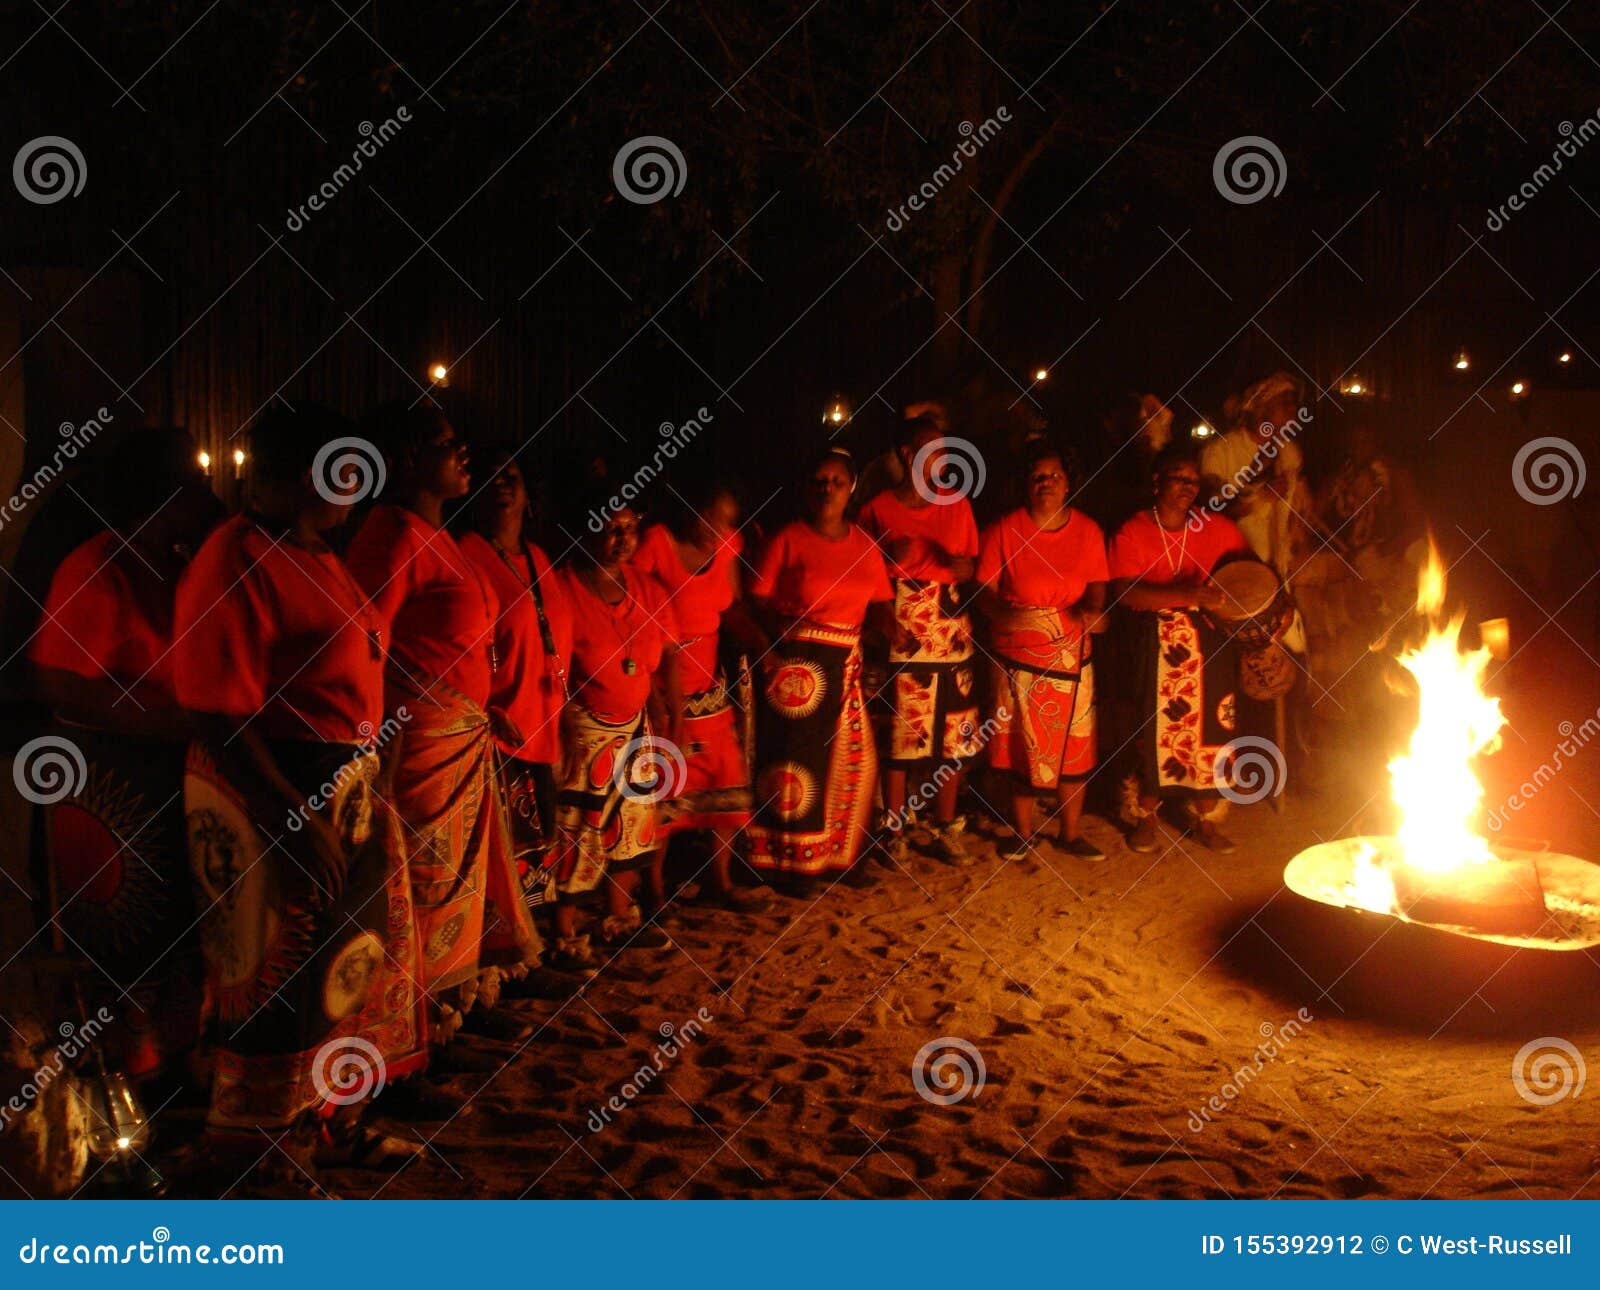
(1042, 729)
(926, 710)
(470, 909)
(311, 1004)
(1188, 710)
(817, 767)
(613, 775)
(716, 777)
(119, 878)
(529, 789)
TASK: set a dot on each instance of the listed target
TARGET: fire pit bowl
(1498, 901)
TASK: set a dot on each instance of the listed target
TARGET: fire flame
(1434, 786)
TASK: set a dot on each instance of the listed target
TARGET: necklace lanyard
(1166, 547)
(545, 634)
(629, 664)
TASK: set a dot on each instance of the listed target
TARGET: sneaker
(1213, 838)
(1019, 848)
(1082, 848)
(946, 845)
(573, 955)
(1144, 836)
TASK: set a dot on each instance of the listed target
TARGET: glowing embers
(1529, 899)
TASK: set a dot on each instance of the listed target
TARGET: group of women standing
(393, 784)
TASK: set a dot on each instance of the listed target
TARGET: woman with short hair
(816, 766)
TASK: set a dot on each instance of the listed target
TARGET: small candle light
(1202, 430)
(1519, 389)
(1564, 357)
(1041, 374)
(1461, 362)
(1356, 387)
(1495, 633)
(837, 412)
(238, 462)
(439, 374)
(204, 458)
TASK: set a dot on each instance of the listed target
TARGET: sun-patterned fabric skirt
(817, 766)
(1187, 706)
(716, 787)
(1042, 729)
(470, 905)
(306, 1000)
(612, 775)
(120, 879)
(927, 707)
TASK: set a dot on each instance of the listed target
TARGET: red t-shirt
(108, 614)
(1146, 552)
(826, 580)
(938, 533)
(266, 627)
(605, 637)
(698, 599)
(437, 608)
(1051, 568)
(527, 683)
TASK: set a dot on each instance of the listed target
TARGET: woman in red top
(1043, 569)
(1161, 563)
(614, 770)
(439, 613)
(815, 763)
(930, 541)
(533, 642)
(115, 834)
(694, 558)
(306, 905)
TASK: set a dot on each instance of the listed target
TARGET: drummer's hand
(1208, 597)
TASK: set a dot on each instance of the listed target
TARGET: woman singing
(694, 558)
(1043, 569)
(816, 764)
(930, 541)
(1160, 562)
(305, 904)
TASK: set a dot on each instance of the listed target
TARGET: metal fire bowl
(1323, 873)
